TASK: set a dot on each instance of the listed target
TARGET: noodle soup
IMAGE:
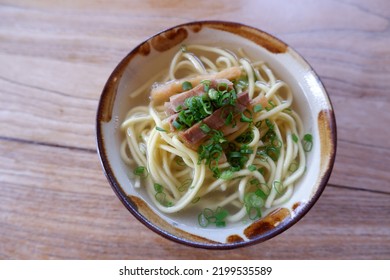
(217, 138)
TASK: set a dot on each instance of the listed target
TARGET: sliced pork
(176, 102)
(161, 93)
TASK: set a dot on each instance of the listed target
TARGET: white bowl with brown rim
(310, 101)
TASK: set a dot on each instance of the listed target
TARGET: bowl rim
(132, 208)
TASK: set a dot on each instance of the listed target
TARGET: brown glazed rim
(101, 117)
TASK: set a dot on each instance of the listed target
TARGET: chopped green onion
(222, 87)
(141, 171)
(294, 138)
(254, 213)
(235, 155)
(273, 152)
(206, 85)
(276, 142)
(261, 194)
(307, 142)
(213, 94)
(245, 118)
(183, 48)
(208, 213)
(195, 200)
(177, 125)
(208, 216)
(160, 197)
(253, 203)
(251, 167)
(221, 214)
(205, 128)
(229, 118)
(160, 129)
(220, 223)
(293, 166)
(278, 186)
(254, 182)
(185, 185)
(186, 86)
(158, 188)
(245, 150)
(226, 175)
(202, 220)
(269, 124)
(272, 105)
(257, 108)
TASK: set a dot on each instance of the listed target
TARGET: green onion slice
(141, 171)
(246, 116)
(307, 142)
(186, 86)
(158, 188)
(257, 108)
(252, 167)
(160, 129)
(205, 128)
(278, 186)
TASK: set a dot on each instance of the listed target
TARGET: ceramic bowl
(310, 101)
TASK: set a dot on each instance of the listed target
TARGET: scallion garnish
(205, 128)
(252, 167)
(177, 125)
(257, 108)
(229, 118)
(278, 186)
(160, 129)
(217, 217)
(271, 105)
(307, 142)
(222, 87)
(294, 138)
(293, 167)
(213, 94)
(158, 188)
(141, 171)
(269, 124)
(206, 85)
(253, 204)
(246, 116)
(186, 86)
(226, 175)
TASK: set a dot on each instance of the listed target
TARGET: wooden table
(55, 202)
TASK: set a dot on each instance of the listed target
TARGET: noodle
(239, 168)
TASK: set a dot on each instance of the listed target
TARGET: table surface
(55, 201)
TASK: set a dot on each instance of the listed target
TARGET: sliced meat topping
(161, 93)
(177, 101)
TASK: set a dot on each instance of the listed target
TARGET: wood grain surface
(55, 202)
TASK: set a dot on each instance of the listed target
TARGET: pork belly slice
(161, 93)
(194, 135)
(177, 100)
